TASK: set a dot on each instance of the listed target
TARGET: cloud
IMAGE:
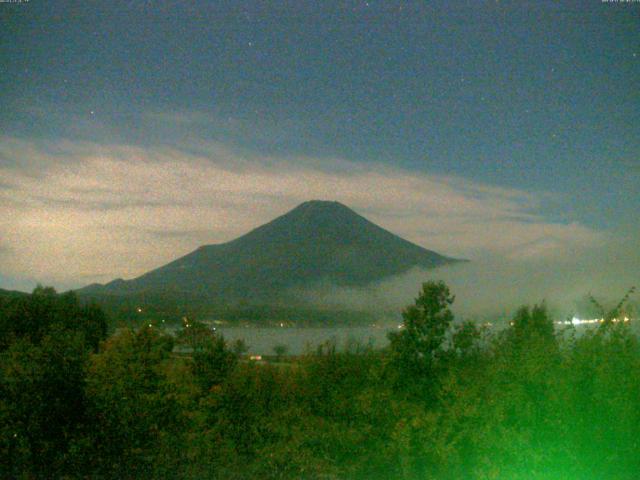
(4, 250)
(76, 212)
(495, 286)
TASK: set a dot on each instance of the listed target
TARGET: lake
(298, 340)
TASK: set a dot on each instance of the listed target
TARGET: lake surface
(261, 341)
(299, 340)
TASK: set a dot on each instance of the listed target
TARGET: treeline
(141, 309)
(442, 401)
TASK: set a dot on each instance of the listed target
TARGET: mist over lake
(261, 341)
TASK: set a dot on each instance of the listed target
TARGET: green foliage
(45, 340)
(213, 362)
(194, 335)
(418, 350)
(532, 325)
(239, 347)
(30, 317)
(465, 341)
(603, 383)
(443, 401)
(137, 423)
(280, 351)
(42, 402)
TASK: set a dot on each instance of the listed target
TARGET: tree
(466, 341)
(212, 361)
(280, 350)
(417, 351)
(30, 317)
(45, 340)
(532, 325)
(137, 423)
(239, 347)
(92, 321)
(41, 403)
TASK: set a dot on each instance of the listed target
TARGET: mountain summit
(316, 241)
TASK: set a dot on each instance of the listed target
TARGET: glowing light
(591, 321)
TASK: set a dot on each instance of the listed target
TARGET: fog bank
(490, 285)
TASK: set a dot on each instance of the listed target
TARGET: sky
(133, 132)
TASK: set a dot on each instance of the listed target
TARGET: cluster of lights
(591, 321)
(573, 321)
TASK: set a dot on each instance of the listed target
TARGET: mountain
(316, 241)
(11, 293)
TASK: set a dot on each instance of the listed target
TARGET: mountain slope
(11, 293)
(315, 241)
